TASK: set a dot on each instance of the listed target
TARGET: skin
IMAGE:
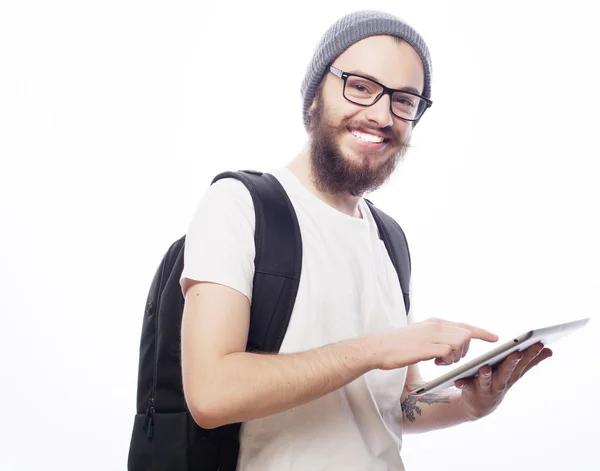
(237, 386)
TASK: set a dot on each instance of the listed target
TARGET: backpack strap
(395, 242)
(278, 265)
(278, 259)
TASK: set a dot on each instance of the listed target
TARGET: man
(335, 398)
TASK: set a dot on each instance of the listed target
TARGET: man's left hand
(481, 395)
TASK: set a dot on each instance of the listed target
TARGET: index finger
(478, 333)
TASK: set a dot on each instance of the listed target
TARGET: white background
(115, 116)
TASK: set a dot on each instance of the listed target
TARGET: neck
(343, 202)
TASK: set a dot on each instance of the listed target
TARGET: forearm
(245, 386)
(433, 411)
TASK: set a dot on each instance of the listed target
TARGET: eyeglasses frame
(386, 91)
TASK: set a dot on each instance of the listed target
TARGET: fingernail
(487, 374)
(517, 360)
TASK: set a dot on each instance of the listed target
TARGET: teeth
(366, 136)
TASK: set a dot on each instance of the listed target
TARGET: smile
(368, 138)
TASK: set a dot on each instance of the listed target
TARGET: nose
(380, 114)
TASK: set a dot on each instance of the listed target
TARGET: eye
(405, 102)
(360, 87)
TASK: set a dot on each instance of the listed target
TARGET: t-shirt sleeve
(219, 245)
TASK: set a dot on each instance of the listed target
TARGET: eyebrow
(369, 76)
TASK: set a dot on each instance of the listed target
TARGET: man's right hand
(446, 342)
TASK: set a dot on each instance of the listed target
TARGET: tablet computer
(494, 357)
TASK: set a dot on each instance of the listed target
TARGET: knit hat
(349, 30)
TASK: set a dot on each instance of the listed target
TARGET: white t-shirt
(348, 288)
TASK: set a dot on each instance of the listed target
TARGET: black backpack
(165, 436)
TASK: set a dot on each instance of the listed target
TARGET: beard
(333, 172)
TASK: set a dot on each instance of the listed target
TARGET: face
(355, 149)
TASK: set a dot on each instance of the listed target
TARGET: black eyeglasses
(364, 91)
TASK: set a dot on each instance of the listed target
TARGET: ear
(311, 111)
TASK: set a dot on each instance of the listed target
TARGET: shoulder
(227, 198)
(228, 190)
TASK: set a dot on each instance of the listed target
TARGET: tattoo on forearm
(410, 407)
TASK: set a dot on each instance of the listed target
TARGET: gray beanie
(349, 30)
